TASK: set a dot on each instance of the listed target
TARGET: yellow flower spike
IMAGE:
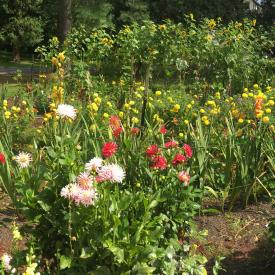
(158, 93)
(94, 107)
(61, 56)
(265, 119)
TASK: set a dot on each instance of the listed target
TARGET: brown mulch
(241, 237)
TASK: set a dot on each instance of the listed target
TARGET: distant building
(253, 5)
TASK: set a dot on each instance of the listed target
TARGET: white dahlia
(66, 111)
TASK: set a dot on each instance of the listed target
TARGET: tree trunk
(16, 53)
(65, 18)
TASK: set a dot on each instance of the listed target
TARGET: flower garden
(110, 157)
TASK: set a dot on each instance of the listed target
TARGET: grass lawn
(6, 60)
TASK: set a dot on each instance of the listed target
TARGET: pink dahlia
(184, 177)
(94, 164)
(84, 180)
(152, 150)
(110, 172)
(171, 144)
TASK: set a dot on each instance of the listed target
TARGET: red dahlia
(163, 130)
(178, 159)
(114, 122)
(117, 131)
(171, 144)
(2, 158)
(159, 162)
(188, 150)
(152, 150)
(109, 148)
(135, 130)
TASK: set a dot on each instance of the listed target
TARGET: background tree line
(25, 23)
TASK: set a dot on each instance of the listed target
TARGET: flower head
(114, 122)
(23, 159)
(171, 144)
(6, 258)
(178, 159)
(84, 180)
(135, 130)
(152, 150)
(184, 177)
(2, 158)
(79, 195)
(159, 162)
(66, 111)
(163, 130)
(188, 150)
(117, 131)
(109, 148)
(94, 164)
(110, 172)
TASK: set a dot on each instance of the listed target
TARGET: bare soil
(242, 237)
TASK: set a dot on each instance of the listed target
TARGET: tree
(65, 18)
(93, 13)
(23, 27)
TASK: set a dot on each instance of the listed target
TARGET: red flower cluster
(109, 148)
(159, 161)
(2, 158)
(135, 131)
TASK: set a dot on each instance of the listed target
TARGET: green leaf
(65, 262)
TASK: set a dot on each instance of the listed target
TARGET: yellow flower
(7, 114)
(204, 118)
(202, 111)
(131, 102)
(206, 122)
(158, 93)
(120, 114)
(245, 90)
(61, 56)
(176, 108)
(244, 95)
(256, 86)
(186, 121)
(24, 102)
(265, 119)
(189, 106)
(16, 234)
(105, 115)
(181, 135)
(212, 23)
(109, 104)
(97, 100)
(268, 110)
(240, 120)
(270, 102)
(250, 95)
(5, 102)
(135, 120)
(94, 107)
(126, 106)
